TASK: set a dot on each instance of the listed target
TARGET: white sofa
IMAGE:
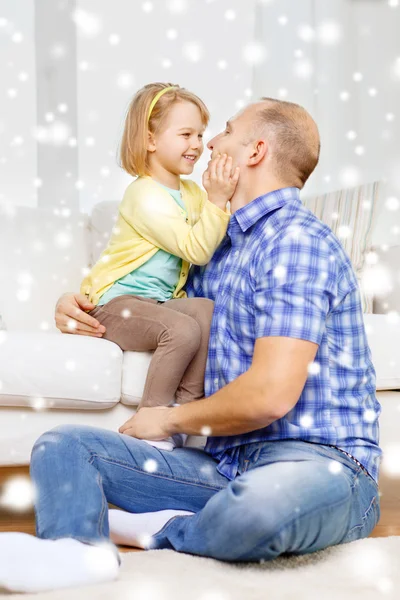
(48, 378)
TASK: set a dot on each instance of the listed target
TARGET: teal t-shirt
(156, 279)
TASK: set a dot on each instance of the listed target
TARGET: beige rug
(364, 570)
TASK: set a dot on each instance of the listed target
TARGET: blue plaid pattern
(280, 271)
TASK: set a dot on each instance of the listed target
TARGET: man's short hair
(294, 137)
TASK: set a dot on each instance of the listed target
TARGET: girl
(164, 224)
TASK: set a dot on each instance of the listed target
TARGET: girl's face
(179, 144)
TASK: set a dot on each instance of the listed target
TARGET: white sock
(137, 529)
(175, 441)
(31, 564)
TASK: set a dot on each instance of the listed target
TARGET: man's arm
(291, 307)
(265, 393)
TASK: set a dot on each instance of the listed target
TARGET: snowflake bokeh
(18, 494)
(62, 111)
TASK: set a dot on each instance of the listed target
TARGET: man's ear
(259, 151)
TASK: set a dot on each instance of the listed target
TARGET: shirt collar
(261, 206)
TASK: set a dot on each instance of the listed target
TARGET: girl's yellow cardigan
(150, 219)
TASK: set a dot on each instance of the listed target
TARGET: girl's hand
(70, 316)
(219, 181)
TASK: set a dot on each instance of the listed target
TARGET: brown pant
(177, 330)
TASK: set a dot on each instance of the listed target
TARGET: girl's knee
(187, 335)
(206, 305)
(203, 313)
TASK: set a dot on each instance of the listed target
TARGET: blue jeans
(289, 497)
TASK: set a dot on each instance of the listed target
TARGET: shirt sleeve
(295, 288)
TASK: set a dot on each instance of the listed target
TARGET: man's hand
(219, 181)
(149, 424)
(71, 318)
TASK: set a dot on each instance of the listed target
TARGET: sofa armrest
(383, 334)
(381, 278)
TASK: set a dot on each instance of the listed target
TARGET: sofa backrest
(102, 220)
(44, 253)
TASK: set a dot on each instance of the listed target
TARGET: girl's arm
(161, 223)
(165, 228)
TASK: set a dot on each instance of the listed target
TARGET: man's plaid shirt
(280, 271)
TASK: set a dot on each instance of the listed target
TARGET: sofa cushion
(55, 370)
(351, 214)
(134, 372)
(383, 334)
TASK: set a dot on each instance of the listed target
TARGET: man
(291, 461)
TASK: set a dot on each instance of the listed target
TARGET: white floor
(363, 570)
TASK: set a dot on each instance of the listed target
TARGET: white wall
(17, 103)
(378, 56)
(109, 74)
(95, 75)
(314, 49)
(55, 43)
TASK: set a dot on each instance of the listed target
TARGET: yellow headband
(156, 99)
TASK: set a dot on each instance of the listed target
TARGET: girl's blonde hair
(133, 149)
